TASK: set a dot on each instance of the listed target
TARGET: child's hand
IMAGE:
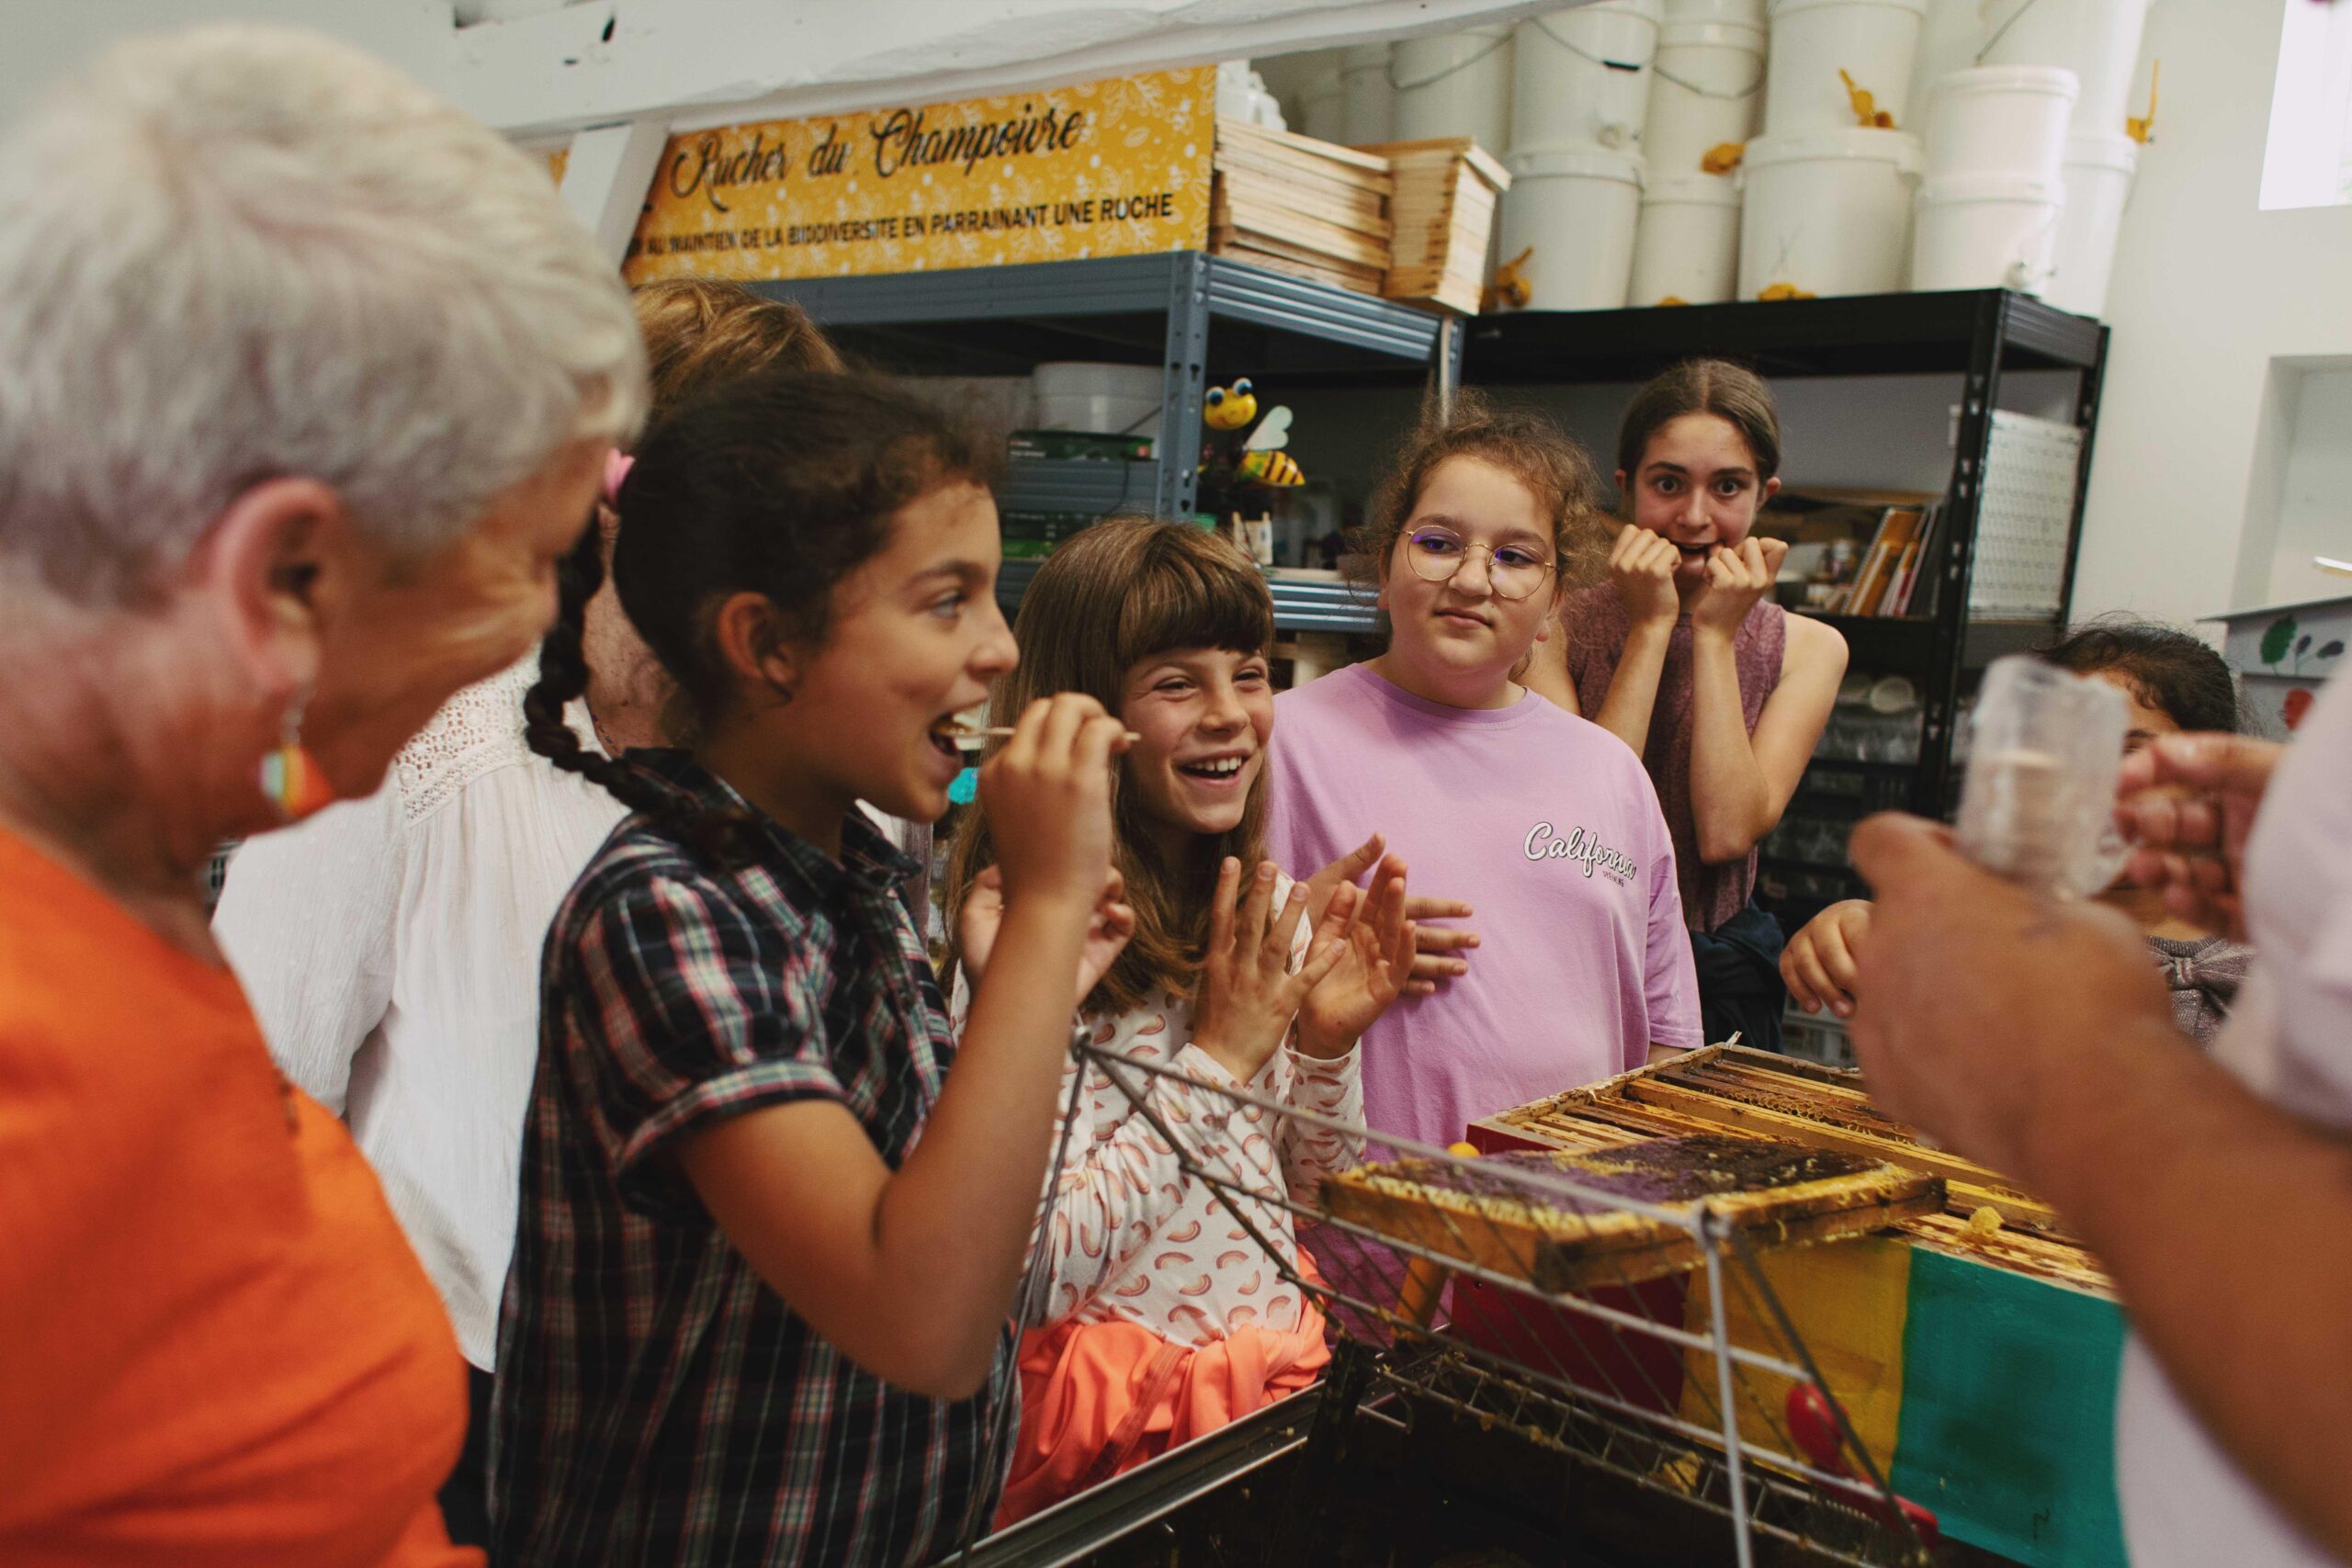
(983, 913)
(1736, 580)
(1047, 795)
(1818, 963)
(1435, 947)
(2189, 803)
(1248, 994)
(1642, 565)
(1370, 974)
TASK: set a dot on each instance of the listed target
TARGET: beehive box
(1444, 215)
(1313, 209)
(1979, 1368)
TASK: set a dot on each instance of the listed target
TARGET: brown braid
(563, 676)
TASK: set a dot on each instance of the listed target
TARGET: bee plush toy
(1261, 460)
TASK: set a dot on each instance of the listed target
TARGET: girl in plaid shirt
(751, 1318)
(1162, 1318)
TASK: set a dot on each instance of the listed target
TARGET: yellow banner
(1108, 169)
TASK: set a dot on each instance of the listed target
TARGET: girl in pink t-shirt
(1543, 819)
(1163, 1318)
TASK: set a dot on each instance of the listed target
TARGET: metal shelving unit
(1977, 336)
(1200, 318)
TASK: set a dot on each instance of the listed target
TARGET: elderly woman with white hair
(310, 384)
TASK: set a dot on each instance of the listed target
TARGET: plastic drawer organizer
(2030, 471)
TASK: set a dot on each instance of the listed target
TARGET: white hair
(239, 252)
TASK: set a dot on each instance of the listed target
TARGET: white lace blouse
(391, 949)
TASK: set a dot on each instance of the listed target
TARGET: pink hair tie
(618, 464)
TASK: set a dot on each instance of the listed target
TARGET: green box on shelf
(1080, 445)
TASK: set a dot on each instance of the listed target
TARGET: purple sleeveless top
(1596, 625)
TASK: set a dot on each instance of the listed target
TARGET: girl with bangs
(1163, 1319)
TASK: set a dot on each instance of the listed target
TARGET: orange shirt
(216, 1348)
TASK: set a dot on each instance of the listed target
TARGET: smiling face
(1697, 486)
(1204, 714)
(1457, 641)
(915, 637)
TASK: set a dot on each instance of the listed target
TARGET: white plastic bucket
(1987, 232)
(2100, 165)
(1709, 90)
(2098, 41)
(1739, 13)
(2000, 119)
(1577, 209)
(1686, 246)
(1828, 212)
(1453, 85)
(1323, 101)
(1582, 77)
(1113, 399)
(1369, 113)
(1873, 40)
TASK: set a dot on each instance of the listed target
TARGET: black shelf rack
(1200, 318)
(1976, 335)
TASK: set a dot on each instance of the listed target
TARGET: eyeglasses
(1513, 571)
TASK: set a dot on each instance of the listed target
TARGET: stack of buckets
(1580, 95)
(2098, 41)
(1828, 199)
(1989, 206)
(1708, 99)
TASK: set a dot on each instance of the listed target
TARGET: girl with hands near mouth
(1683, 655)
(1162, 1318)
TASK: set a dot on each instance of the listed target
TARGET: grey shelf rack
(1200, 318)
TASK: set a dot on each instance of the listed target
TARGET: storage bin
(1581, 77)
(1115, 399)
(1828, 212)
(1453, 85)
(1686, 246)
(2098, 41)
(2099, 167)
(1707, 90)
(2000, 119)
(1875, 42)
(1986, 232)
(1577, 209)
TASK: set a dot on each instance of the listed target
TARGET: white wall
(2208, 289)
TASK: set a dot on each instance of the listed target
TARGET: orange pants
(1099, 1398)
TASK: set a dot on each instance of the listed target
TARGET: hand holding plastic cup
(2038, 805)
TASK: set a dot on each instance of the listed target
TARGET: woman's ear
(1771, 489)
(280, 563)
(754, 644)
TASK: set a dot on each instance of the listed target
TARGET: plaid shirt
(656, 1402)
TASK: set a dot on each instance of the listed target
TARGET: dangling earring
(291, 777)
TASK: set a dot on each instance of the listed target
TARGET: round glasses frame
(1509, 580)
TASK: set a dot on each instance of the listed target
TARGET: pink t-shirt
(1547, 825)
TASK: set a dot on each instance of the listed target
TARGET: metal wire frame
(1688, 1443)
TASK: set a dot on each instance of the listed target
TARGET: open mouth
(1215, 770)
(1695, 552)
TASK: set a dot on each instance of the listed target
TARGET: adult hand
(1249, 992)
(1817, 963)
(2188, 802)
(1969, 987)
(1736, 580)
(982, 916)
(1375, 958)
(1047, 795)
(1642, 565)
